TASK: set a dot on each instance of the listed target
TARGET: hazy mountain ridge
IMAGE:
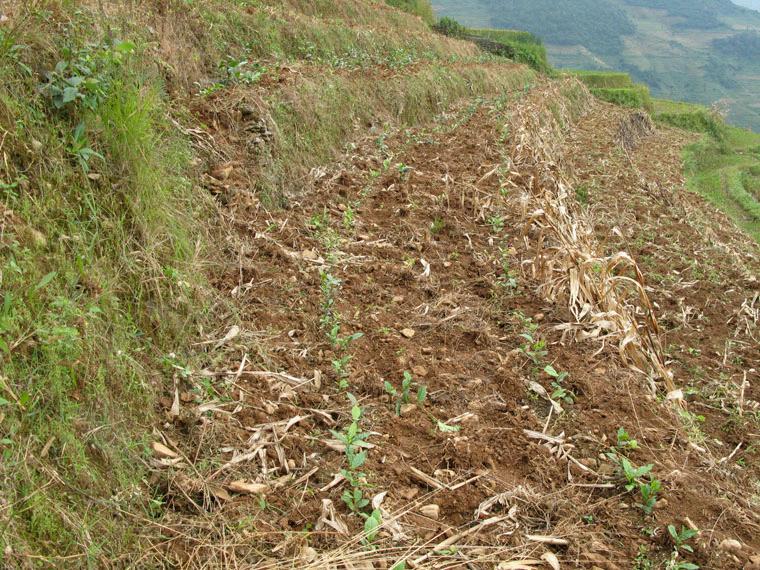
(695, 51)
(754, 4)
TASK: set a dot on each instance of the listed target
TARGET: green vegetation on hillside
(522, 47)
(421, 8)
(701, 15)
(700, 52)
(572, 23)
(99, 261)
(743, 44)
(105, 226)
(616, 87)
(724, 166)
(519, 46)
(604, 79)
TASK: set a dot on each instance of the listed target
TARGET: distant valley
(702, 51)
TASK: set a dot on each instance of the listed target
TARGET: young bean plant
(404, 396)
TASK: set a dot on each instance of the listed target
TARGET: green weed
(560, 392)
(403, 396)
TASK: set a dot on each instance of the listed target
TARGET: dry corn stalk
(606, 295)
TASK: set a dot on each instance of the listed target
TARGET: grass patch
(100, 280)
(723, 166)
(617, 88)
(603, 79)
(421, 8)
(636, 97)
(689, 117)
(724, 169)
(522, 47)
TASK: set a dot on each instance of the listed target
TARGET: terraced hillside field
(305, 284)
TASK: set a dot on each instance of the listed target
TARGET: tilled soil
(423, 232)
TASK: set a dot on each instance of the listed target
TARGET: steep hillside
(122, 134)
(305, 284)
(692, 51)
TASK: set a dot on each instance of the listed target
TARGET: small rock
(397, 299)
(420, 371)
(407, 333)
(36, 145)
(427, 350)
(3, 19)
(291, 464)
(309, 255)
(539, 317)
(447, 264)
(407, 409)
(432, 511)
(730, 545)
(342, 207)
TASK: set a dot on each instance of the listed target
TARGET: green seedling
(341, 366)
(329, 286)
(507, 279)
(535, 349)
(437, 226)
(560, 392)
(648, 491)
(404, 396)
(681, 538)
(372, 526)
(349, 218)
(353, 441)
(634, 479)
(80, 149)
(625, 441)
(632, 474)
(497, 223)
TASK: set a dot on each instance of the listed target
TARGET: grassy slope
(616, 87)
(724, 165)
(104, 229)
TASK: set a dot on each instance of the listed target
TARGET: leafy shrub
(521, 47)
(450, 27)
